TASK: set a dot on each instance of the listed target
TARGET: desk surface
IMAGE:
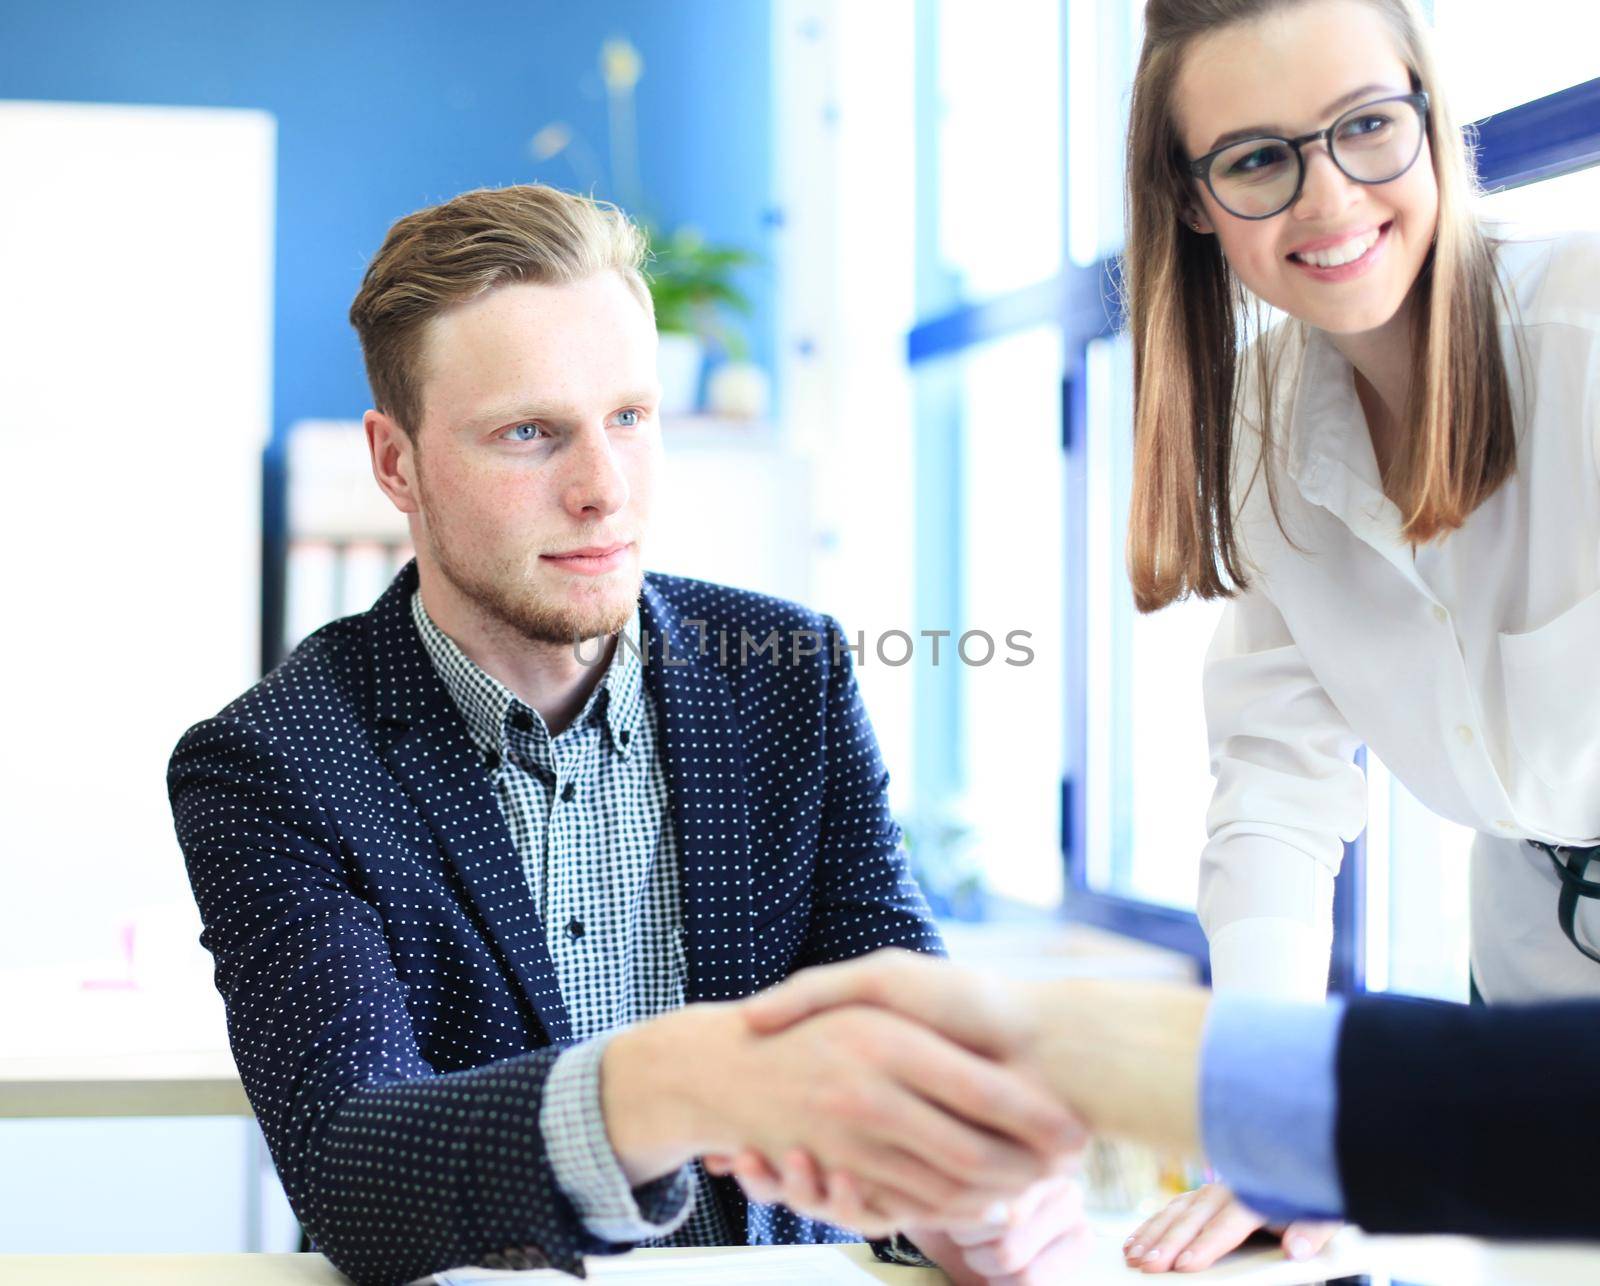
(314, 1270)
(1425, 1261)
(195, 1083)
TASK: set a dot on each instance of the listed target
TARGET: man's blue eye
(628, 423)
(523, 432)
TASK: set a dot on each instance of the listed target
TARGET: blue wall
(385, 107)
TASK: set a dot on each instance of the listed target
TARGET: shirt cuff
(1272, 957)
(586, 1166)
(1268, 1103)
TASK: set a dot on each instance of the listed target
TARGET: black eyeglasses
(1256, 178)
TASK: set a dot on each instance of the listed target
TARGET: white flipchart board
(135, 395)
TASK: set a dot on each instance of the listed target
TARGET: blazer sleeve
(1288, 793)
(864, 897)
(394, 1170)
(1469, 1120)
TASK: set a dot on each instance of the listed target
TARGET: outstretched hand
(968, 1008)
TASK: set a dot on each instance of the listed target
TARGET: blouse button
(1464, 734)
(1506, 824)
(1439, 614)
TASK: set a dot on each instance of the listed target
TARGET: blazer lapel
(704, 766)
(424, 742)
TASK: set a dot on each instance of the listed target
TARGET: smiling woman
(1393, 490)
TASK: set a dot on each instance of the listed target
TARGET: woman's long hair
(1187, 313)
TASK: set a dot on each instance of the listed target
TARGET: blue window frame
(1532, 142)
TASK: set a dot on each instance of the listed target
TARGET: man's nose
(594, 484)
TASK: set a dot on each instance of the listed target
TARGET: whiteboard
(135, 398)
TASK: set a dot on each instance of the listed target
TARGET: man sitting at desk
(534, 796)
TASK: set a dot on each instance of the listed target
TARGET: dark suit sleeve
(394, 1170)
(1469, 1120)
(864, 896)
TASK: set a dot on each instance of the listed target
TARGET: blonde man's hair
(1187, 315)
(451, 253)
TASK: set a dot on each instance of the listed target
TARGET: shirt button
(1463, 734)
(575, 928)
(1439, 614)
(522, 721)
(627, 736)
(568, 791)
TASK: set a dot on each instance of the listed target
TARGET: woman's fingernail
(1153, 1253)
(1183, 1260)
(1299, 1248)
(1135, 1250)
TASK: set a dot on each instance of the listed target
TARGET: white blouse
(1471, 669)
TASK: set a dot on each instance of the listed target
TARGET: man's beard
(504, 589)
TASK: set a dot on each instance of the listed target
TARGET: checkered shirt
(588, 816)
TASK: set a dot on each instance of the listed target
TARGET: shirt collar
(1330, 449)
(488, 706)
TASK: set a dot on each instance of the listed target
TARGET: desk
(196, 1083)
(1425, 1261)
(314, 1270)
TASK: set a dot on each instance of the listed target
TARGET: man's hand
(1124, 1055)
(985, 1015)
(1039, 1238)
(932, 1129)
(1036, 1238)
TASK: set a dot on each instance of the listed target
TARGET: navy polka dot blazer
(391, 1004)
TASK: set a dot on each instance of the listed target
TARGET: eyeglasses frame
(1200, 167)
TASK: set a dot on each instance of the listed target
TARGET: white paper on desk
(1346, 1255)
(772, 1266)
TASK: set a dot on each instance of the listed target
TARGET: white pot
(679, 360)
(739, 391)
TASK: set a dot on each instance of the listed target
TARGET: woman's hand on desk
(1198, 1228)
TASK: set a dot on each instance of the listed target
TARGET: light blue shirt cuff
(585, 1164)
(1269, 1101)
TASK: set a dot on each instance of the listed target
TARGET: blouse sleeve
(1288, 794)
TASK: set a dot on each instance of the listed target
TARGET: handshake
(899, 1093)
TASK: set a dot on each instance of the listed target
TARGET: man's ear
(394, 460)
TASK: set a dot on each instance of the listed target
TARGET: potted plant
(692, 281)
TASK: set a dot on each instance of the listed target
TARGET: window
(1010, 177)
(990, 578)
